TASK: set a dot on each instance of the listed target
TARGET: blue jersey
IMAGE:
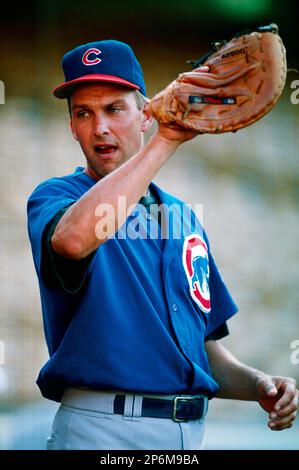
(138, 320)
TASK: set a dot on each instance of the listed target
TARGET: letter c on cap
(87, 61)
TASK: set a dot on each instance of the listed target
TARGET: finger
(266, 388)
(270, 390)
(202, 68)
(281, 429)
(283, 423)
(288, 396)
(291, 408)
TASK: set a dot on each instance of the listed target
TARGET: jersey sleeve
(45, 207)
(60, 272)
(218, 333)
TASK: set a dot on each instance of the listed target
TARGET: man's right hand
(175, 132)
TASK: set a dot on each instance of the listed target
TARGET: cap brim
(63, 90)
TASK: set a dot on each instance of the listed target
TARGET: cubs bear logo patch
(196, 265)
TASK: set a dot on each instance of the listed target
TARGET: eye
(114, 109)
(82, 114)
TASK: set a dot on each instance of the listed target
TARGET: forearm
(76, 235)
(236, 380)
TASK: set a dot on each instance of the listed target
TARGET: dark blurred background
(35, 35)
(247, 182)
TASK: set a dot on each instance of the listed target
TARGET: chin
(105, 170)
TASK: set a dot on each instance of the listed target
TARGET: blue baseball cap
(101, 61)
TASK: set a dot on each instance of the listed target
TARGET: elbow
(70, 248)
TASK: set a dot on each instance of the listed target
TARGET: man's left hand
(279, 397)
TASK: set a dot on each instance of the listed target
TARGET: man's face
(108, 125)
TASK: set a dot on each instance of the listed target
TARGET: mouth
(105, 150)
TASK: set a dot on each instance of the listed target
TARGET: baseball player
(133, 302)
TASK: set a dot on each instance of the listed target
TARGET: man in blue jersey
(133, 303)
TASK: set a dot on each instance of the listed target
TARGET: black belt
(181, 408)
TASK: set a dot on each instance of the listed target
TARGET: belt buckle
(183, 398)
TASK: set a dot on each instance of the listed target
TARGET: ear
(147, 119)
(73, 130)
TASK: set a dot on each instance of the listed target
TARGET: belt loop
(137, 408)
(206, 402)
(128, 408)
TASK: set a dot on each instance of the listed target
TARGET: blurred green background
(247, 182)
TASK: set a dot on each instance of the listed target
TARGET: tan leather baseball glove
(246, 78)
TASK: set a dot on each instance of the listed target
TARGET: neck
(92, 174)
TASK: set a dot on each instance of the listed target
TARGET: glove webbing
(272, 27)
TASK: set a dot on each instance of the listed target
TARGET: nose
(101, 125)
